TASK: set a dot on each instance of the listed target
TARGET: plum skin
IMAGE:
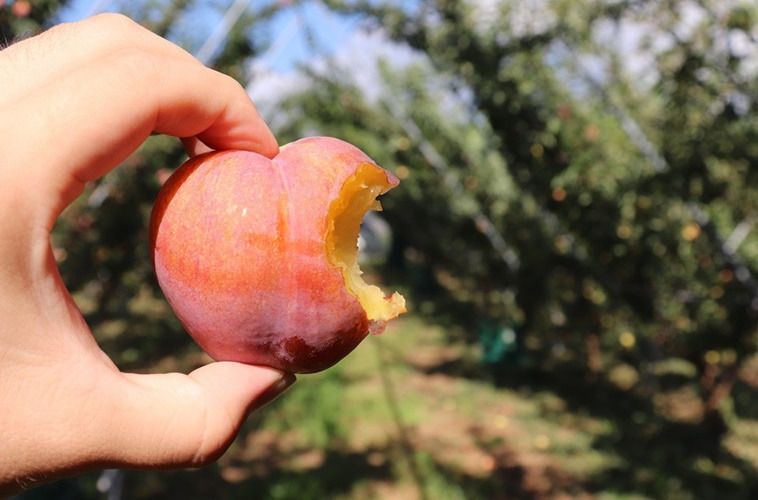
(237, 242)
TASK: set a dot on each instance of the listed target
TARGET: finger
(178, 420)
(114, 106)
(33, 63)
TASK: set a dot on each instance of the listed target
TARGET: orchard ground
(415, 414)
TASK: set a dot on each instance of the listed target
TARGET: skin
(75, 102)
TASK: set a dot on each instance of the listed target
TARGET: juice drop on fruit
(377, 327)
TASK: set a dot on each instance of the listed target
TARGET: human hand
(75, 102)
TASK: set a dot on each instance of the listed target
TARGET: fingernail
(273, 391)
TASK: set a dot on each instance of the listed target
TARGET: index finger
(76, 129)
(30, 64)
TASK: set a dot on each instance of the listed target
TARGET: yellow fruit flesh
(358, 196)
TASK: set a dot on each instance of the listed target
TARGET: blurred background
(576, 232)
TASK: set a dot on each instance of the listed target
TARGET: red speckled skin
(238, 245)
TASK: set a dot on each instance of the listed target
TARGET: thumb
(175, 420)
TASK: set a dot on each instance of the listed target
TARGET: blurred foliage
(620, 195)
(579, 212)
(21, 19)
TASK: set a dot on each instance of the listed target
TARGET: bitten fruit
(258, 257)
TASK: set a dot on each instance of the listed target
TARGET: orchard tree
(626, 134)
